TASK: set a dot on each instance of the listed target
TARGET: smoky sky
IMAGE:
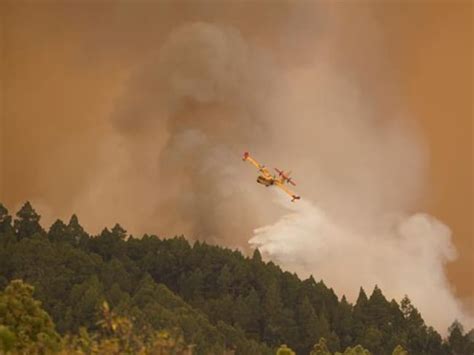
(139, 112)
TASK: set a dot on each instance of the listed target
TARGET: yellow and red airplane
(267, 179)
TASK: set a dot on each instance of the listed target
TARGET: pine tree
(415, 327)
(309, 325)
(252, 323)
(74, 232)
(272, 313)
(434, 343)
(57, 231)
(5, 220)
(360, 316)
(362, 299)
(117, 231)
(469, 338)
(109, 243)
(257, 257)
(378, 309)
(458, 343)
(224, 280)
(27, 222)
(191, 286)
(344, 323)
(6, 231)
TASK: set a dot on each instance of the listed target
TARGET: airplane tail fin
(295, 197)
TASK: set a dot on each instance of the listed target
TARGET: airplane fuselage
(265, 181)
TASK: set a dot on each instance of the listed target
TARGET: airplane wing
(260, 167)
(287, 190)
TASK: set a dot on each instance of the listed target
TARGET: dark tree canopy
(27, 222)
(215, 298)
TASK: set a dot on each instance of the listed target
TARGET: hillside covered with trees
(119, 292)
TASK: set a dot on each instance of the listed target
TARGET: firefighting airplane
(267, 179)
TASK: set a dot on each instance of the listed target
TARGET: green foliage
(284, 350)
(157, 306)
(357, 350)
(7, 339)
(320, 348)
(25, 325)
(117, 335)
(372, 338)
(399, 351)
(27, 222)
(459, 342)
(212, 298)
(84, 298)
(5, 220)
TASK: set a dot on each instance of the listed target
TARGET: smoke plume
(209, 95)
(396, 258)
(178, 90)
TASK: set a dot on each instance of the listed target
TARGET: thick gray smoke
(395, 258)
(185, 120)
(206, 96)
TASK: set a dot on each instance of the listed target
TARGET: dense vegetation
(206, 296)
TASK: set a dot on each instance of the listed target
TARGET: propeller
(281, 173)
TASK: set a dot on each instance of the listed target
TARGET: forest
(65, 291)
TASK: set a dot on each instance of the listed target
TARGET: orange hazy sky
(62, 65)
(431, 45)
